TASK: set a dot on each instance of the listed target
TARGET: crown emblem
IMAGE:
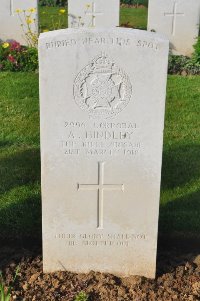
(102, 64)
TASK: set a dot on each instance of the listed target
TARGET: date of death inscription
(100, 139)
(100, 240)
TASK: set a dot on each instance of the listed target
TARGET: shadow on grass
(181, 165)
(20, 199)
(181, 216)
(179, 232)
(179, 222)
(5, 143)
(21, 222)
(20, 168)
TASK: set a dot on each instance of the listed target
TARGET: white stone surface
(102, 95)
(178, 20)
(10, 24)
(94, 13)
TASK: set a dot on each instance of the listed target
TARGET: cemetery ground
(178, 268)
(20, 205)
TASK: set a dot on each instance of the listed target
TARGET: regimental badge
(102, 88)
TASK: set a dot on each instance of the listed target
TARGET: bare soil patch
(178, 278)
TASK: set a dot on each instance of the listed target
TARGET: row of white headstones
(177, 19)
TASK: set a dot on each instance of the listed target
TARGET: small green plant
(179, 64)
(5, 293)
(15, 57)
(82, 296)
(58, 20)
(196, 55)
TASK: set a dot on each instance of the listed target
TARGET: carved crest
(102, 88)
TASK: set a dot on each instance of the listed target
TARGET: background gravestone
(178, 20)
(94, 13)
(102, 95)
(10, 24)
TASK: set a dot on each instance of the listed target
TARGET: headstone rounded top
(94, 31)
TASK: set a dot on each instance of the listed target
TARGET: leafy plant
(15, 57)
(5, 294)
(82, 296)
(196, 55)
(58, 20)
(179, 64)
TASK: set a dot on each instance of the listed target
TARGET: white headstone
(102, 95)
(10, 23)
(94, 13)
(178, 20)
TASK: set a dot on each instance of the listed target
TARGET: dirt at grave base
(178, 279)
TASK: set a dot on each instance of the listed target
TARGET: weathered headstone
(102, 95)
(178, 20)
(10, 22)
(94, 13)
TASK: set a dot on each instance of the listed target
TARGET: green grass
(50, 18)
(20, 197)
(134, 17)
(180, 195)
(19, 155)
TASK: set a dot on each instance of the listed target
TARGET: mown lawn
(20, 197)
(19, 156)
(50, 18)
(134, 17)
(180, 195)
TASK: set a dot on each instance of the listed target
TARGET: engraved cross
(93, 13)
(11, 7)
(101, 187)
(174, 15)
